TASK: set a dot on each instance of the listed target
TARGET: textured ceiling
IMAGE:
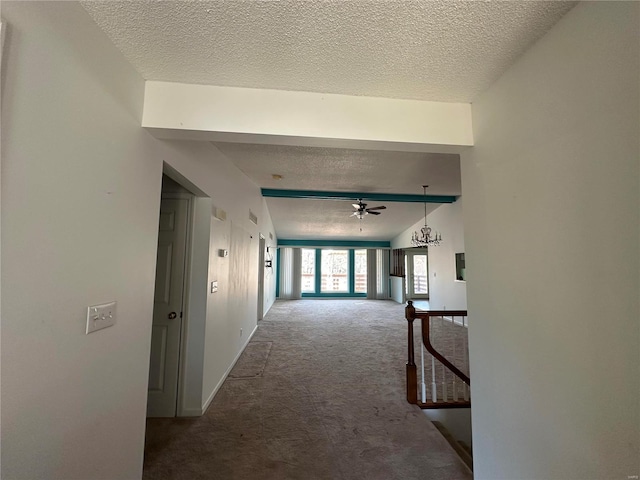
(340, 169)
(337, 169)
(442, 50)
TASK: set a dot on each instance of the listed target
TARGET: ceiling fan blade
(381, 207)
(373, 213)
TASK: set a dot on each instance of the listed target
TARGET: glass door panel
(417, 270)
(420, 284)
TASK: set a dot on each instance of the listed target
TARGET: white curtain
(382, 276)
(290, 273)
(377, 274)
(372, 273)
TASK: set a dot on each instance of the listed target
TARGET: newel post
(412, 377)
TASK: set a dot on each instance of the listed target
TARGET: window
(460, 268)
(308, 270)
(334, 274)
(360, 271)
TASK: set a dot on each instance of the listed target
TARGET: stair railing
(425, 316)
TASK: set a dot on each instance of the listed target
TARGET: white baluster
(465, 360)
(434, 389)
(445, 396)
(423, 396)
(434, 394)
(455, 378)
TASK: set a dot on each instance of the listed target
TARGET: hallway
(318, 394)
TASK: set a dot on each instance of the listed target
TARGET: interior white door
(167, 309)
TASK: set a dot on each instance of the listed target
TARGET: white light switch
(101, 316)
(214, 286)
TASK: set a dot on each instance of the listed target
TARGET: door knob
(172, 315)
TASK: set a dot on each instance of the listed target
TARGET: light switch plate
(100, 316)
(214, 286)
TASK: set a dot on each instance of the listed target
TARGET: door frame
(189, 401)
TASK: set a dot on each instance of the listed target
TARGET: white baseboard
(191, 412)
(264, 314)
(226, 374)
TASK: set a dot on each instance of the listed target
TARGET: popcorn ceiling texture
(426, 50)
(339, 169)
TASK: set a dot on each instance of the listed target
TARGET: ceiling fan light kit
(362, 210)
(425, 238)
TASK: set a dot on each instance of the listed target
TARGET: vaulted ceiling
(446, 50)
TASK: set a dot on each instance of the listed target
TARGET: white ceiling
(440, 50)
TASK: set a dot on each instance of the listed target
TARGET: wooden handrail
(411, 314)
(437, 313)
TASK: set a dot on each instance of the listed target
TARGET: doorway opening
(180, 300)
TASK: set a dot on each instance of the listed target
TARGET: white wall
(80, 200)
(269, 273)
(551, 230)
(234, 307)
(444, 290)
(397, 289)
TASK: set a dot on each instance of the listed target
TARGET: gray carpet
(252, 361)
(320, 394)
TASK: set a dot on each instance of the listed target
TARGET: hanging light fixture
(425, 238)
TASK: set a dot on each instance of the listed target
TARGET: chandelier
(425, 238)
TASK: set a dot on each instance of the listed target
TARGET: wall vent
(253, 218)
(219, 213)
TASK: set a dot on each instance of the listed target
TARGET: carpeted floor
(318, 394)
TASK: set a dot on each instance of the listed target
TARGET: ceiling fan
(362, 210)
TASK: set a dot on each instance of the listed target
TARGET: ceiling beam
(334, 243)
(353, 196)
(248, 115)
